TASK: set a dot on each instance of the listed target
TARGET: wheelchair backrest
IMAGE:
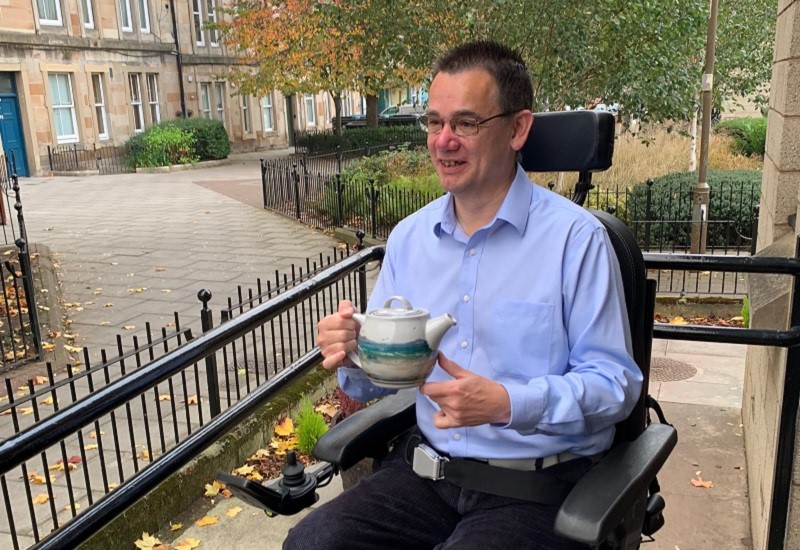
(583, 141)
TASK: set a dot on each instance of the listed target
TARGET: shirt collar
(514, 209)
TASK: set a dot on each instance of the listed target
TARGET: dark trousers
(395, 509)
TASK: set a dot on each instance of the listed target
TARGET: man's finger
(346, 309)
(451, 367)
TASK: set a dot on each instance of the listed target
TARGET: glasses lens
(464, 126)
(423, 122)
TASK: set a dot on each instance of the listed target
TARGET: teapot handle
(353, 356)
(402, 299)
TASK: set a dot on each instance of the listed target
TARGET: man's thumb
(451, 367)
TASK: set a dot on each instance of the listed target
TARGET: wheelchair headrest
(569, 141)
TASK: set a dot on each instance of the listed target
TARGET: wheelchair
(618, 501)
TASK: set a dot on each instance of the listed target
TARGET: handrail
(28, 443)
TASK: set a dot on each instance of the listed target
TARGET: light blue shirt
(540, 308)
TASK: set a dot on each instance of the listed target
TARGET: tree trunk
(337, 109)
(372, 111)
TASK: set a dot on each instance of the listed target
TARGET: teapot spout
(435, 329)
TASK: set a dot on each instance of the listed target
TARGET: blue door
(11, 125)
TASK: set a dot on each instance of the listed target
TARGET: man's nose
(446, 138)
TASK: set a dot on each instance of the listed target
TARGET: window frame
(87, 8)
(153, 102)
(205, 99)
(311, 112)
(100, 106)
(267, 109)
(197, 17)
(219, 107)
(58, 21)
(125, 15)
(144, 16)
(65, 138)
(247, 122)
(136, 101)
(211, 17)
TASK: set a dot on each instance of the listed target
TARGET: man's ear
(523, 121)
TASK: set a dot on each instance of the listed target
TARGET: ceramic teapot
(397, 345)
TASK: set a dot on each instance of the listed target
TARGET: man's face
(473, 165)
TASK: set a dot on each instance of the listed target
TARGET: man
(538, 370)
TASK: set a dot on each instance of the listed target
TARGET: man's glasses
(463, 126)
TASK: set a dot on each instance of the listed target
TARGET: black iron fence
(320, 142)
(76, 158)
(145, 401)
(20, 331)
(63, 434)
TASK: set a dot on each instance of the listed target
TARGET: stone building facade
(94, 72)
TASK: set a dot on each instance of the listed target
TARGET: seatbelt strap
(525, 485)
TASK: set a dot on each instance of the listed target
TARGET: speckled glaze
(397, 346)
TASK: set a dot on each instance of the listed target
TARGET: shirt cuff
(527, 406)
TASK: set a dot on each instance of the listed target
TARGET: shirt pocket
(520, 339)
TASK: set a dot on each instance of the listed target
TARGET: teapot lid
(406, 311)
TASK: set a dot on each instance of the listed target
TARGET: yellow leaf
(213, 489)
(104, 323)
(206, 520)
(255, 476)
(147, 542)
(97, 291)
(144, 454)
(48, 401)
(703, 484)
(129, 327)
(244, 470)
(25, 410)
(175, 526)
(113, 485)
(48, 347)
(36, 478)
(328, 409)
(678, 321)
(73, 349)
(40, 380)
(41, 499)
(285, 427)
(187, 544)
(232, 512)
(192, 400)
(58, 466)
(164, 397)
(166, 290)
(108, 304)
(161, 269)
(136, 290)
(261, 453)
(70, 508)
(91, 447)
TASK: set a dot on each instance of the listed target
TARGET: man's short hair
(515, 91)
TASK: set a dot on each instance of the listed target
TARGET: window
(152, 98)
(219, 96)
(198, 23)
(49, 12)
(144, 16)
(246, 123)
(347, 104)
(136, 102)
(101, 120)
(125, 15)
(311, 115)
(212, 18)
(205, 99)
(88, 17)
(63, 107)
(266, 112)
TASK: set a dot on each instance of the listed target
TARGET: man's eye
(434, 123)
(466, 124)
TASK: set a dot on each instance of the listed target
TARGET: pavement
(171, 234)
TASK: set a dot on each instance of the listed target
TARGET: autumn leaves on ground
(265, 464)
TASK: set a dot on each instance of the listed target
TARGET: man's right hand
(336, 335)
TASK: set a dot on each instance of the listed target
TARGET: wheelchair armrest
(368, 432)
(597, 504)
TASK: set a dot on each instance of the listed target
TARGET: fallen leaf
(164, 397)
(104, 323)
(213, 489)
(69, 508)
(147, 542)
(137, 290)
(41, 499)
(108, 304)
(161, 269)
(113, 485)
(327, 408)
(175, 526)
(36, 478)
(144, 455)
(187, 544)
(75, 459)
(93, 434)
(73, 349)
(700, 483)
(114, 263)
(129, 327)
(91, 447)
(47, 401)
(192, 400)
(285, 427)
(206, 520)
(40, 380)
(48, 347)
(166, 290)
(25, 410)
(678, 321)
(97, 291)
(232, 512)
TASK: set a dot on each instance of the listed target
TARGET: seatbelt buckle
(428, 463)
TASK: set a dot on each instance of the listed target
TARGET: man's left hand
(467, 400)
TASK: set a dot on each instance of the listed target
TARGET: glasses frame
(423, 123)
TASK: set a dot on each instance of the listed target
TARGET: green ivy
(161, 145)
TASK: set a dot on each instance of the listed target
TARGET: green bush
(321, 142)
(309, 425)
(733, 195)
(749, 135)
(211, 139)
(161, 145)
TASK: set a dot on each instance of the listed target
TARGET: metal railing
(146, 411)
(72, 158)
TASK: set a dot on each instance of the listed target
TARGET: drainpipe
(178, 57)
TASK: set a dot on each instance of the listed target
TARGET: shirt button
(464, 344)
(472, 251)
(457, 437)
(466, 297)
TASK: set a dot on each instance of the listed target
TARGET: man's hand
(467, 400)
(336, 335)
